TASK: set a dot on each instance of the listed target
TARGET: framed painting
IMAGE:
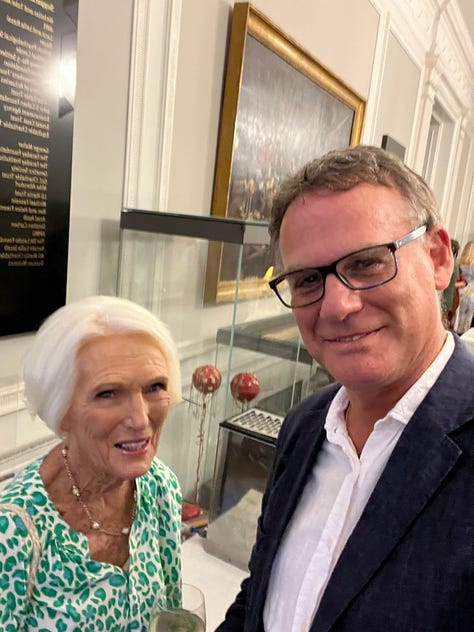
(281, 108)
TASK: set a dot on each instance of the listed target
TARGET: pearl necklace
(94, 525)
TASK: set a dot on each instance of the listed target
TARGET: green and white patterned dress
(74, 592)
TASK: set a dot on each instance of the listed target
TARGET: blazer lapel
(422, 458)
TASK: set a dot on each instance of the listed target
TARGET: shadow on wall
(109, 257)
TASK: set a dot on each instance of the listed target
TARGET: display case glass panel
(164, 265)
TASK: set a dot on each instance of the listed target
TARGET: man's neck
(367, 405)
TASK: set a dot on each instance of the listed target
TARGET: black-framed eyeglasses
(360, 270)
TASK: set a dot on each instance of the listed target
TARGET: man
(367, 521)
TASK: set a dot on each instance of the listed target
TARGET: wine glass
(189, 617)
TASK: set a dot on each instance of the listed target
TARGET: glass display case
(206, 278)
(244, 458)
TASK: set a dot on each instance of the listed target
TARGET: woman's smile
(136, 447)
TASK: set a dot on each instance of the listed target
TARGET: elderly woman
(103, 547)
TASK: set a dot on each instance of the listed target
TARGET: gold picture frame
(281, 108)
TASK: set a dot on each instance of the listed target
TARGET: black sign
(37, 86)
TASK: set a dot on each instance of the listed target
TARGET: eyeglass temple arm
(418, 232)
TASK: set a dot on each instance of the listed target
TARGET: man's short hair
(341, 170)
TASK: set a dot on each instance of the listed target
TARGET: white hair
(50, 367)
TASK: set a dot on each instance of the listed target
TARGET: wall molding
(16, 459)
(153, 75)
(375, 89)
(11, 396)
(434, 30)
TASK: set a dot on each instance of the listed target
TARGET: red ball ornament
(206, 379)
(244, 387)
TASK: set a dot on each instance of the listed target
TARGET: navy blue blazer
(408, 566)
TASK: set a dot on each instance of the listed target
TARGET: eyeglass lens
(361, 270)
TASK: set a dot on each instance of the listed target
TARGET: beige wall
(400, 81)
(100, 128)
(339, 34)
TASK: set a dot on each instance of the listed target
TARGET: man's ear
(439, 245)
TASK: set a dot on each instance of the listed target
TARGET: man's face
(380, 338)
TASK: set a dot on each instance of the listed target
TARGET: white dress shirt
(331, 504)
